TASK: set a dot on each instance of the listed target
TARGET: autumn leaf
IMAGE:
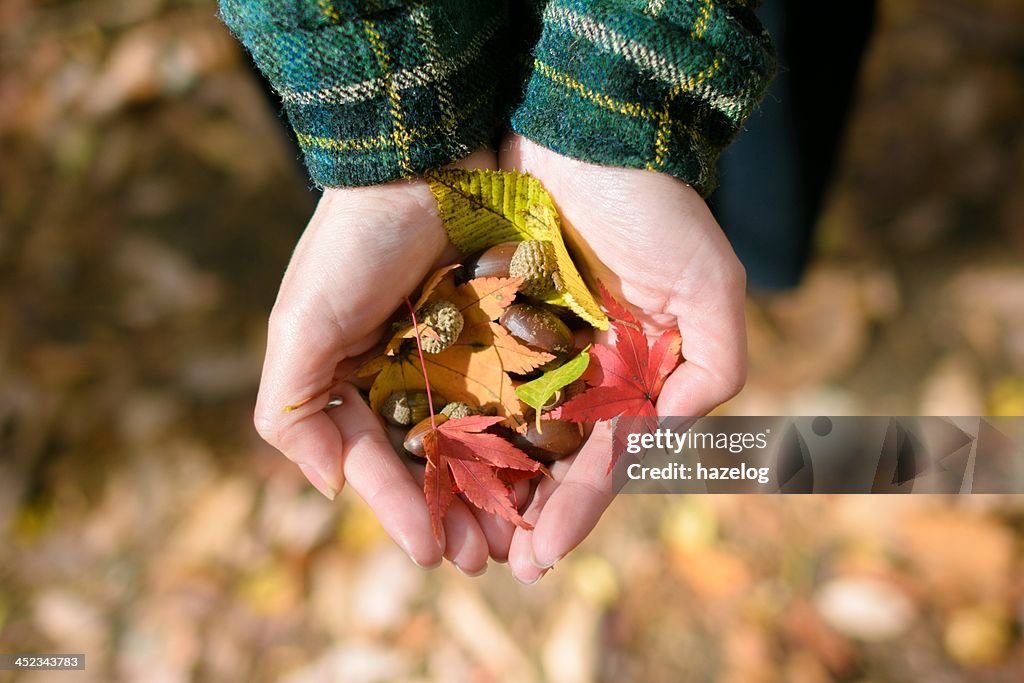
(485, 297)
(540, 392)
(475, 368)
(627, 377)
(480, 209)
(462, 457)
(460, 373)
(480, 300)
(439, 285)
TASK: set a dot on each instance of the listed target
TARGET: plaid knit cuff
(377, 90)
(663, 84)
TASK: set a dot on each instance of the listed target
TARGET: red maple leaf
(463, 458)
(625, 378)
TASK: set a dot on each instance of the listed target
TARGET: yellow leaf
(395, 373)
(483, 208)
(370, 367)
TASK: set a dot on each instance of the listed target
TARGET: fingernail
(427, 566)
(540, 565)
(319, 482)
(530, 583)
(472, 575)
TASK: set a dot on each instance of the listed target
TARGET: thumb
(302, 353)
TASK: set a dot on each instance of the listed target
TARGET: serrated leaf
(510, 354)
(437, 285)
(486, 296)
(463, 458)
(480, 209)
(481, 486)
(468, 442)
(440, 285)
(626, 377)
(459, 373)
(479, 301)
(438, 487)
(539, 392)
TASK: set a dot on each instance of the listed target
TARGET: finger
(707, 378)
(293, 393)
(465, 544)
(520, 552)
(573, 509)
(497, 530)
(715, 352)
(379, 476)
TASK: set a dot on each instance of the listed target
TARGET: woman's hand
(653, 243)
(363, 251)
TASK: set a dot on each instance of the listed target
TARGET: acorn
(444, 322)
(404, 408)
(456, 410)
(540, 329)
(414, 437)
(534, 262)
(492, 262)
(558, 439)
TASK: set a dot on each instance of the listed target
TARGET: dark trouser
(773, 178)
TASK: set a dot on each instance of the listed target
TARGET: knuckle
(733, 381)
(280, 320)
(267, 427)
(735, 277)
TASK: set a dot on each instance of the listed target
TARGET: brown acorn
(444, 322)
(558, 439)
(534, 261)
(540, 329)
(492, 262)
(414, 437)
(404, 408)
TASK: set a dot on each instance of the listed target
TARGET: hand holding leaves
(652, 241)
(363, 251)
(649, 237)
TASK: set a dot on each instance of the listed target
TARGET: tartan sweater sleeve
(379, 89)
(658, 84)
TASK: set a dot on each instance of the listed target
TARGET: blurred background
(148, 204)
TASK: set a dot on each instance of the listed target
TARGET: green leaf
(539, 392)
(480, 209)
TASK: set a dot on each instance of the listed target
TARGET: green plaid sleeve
(378, 89)
(658, 84)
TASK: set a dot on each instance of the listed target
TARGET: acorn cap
(534, 262)
(456, 410)
(443, 321)
(404, 408)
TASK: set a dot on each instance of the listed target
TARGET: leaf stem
(423, 364)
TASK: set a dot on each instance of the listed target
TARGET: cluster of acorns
(539, 326)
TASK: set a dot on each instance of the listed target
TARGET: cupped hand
(364, 250)
(655, 245)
